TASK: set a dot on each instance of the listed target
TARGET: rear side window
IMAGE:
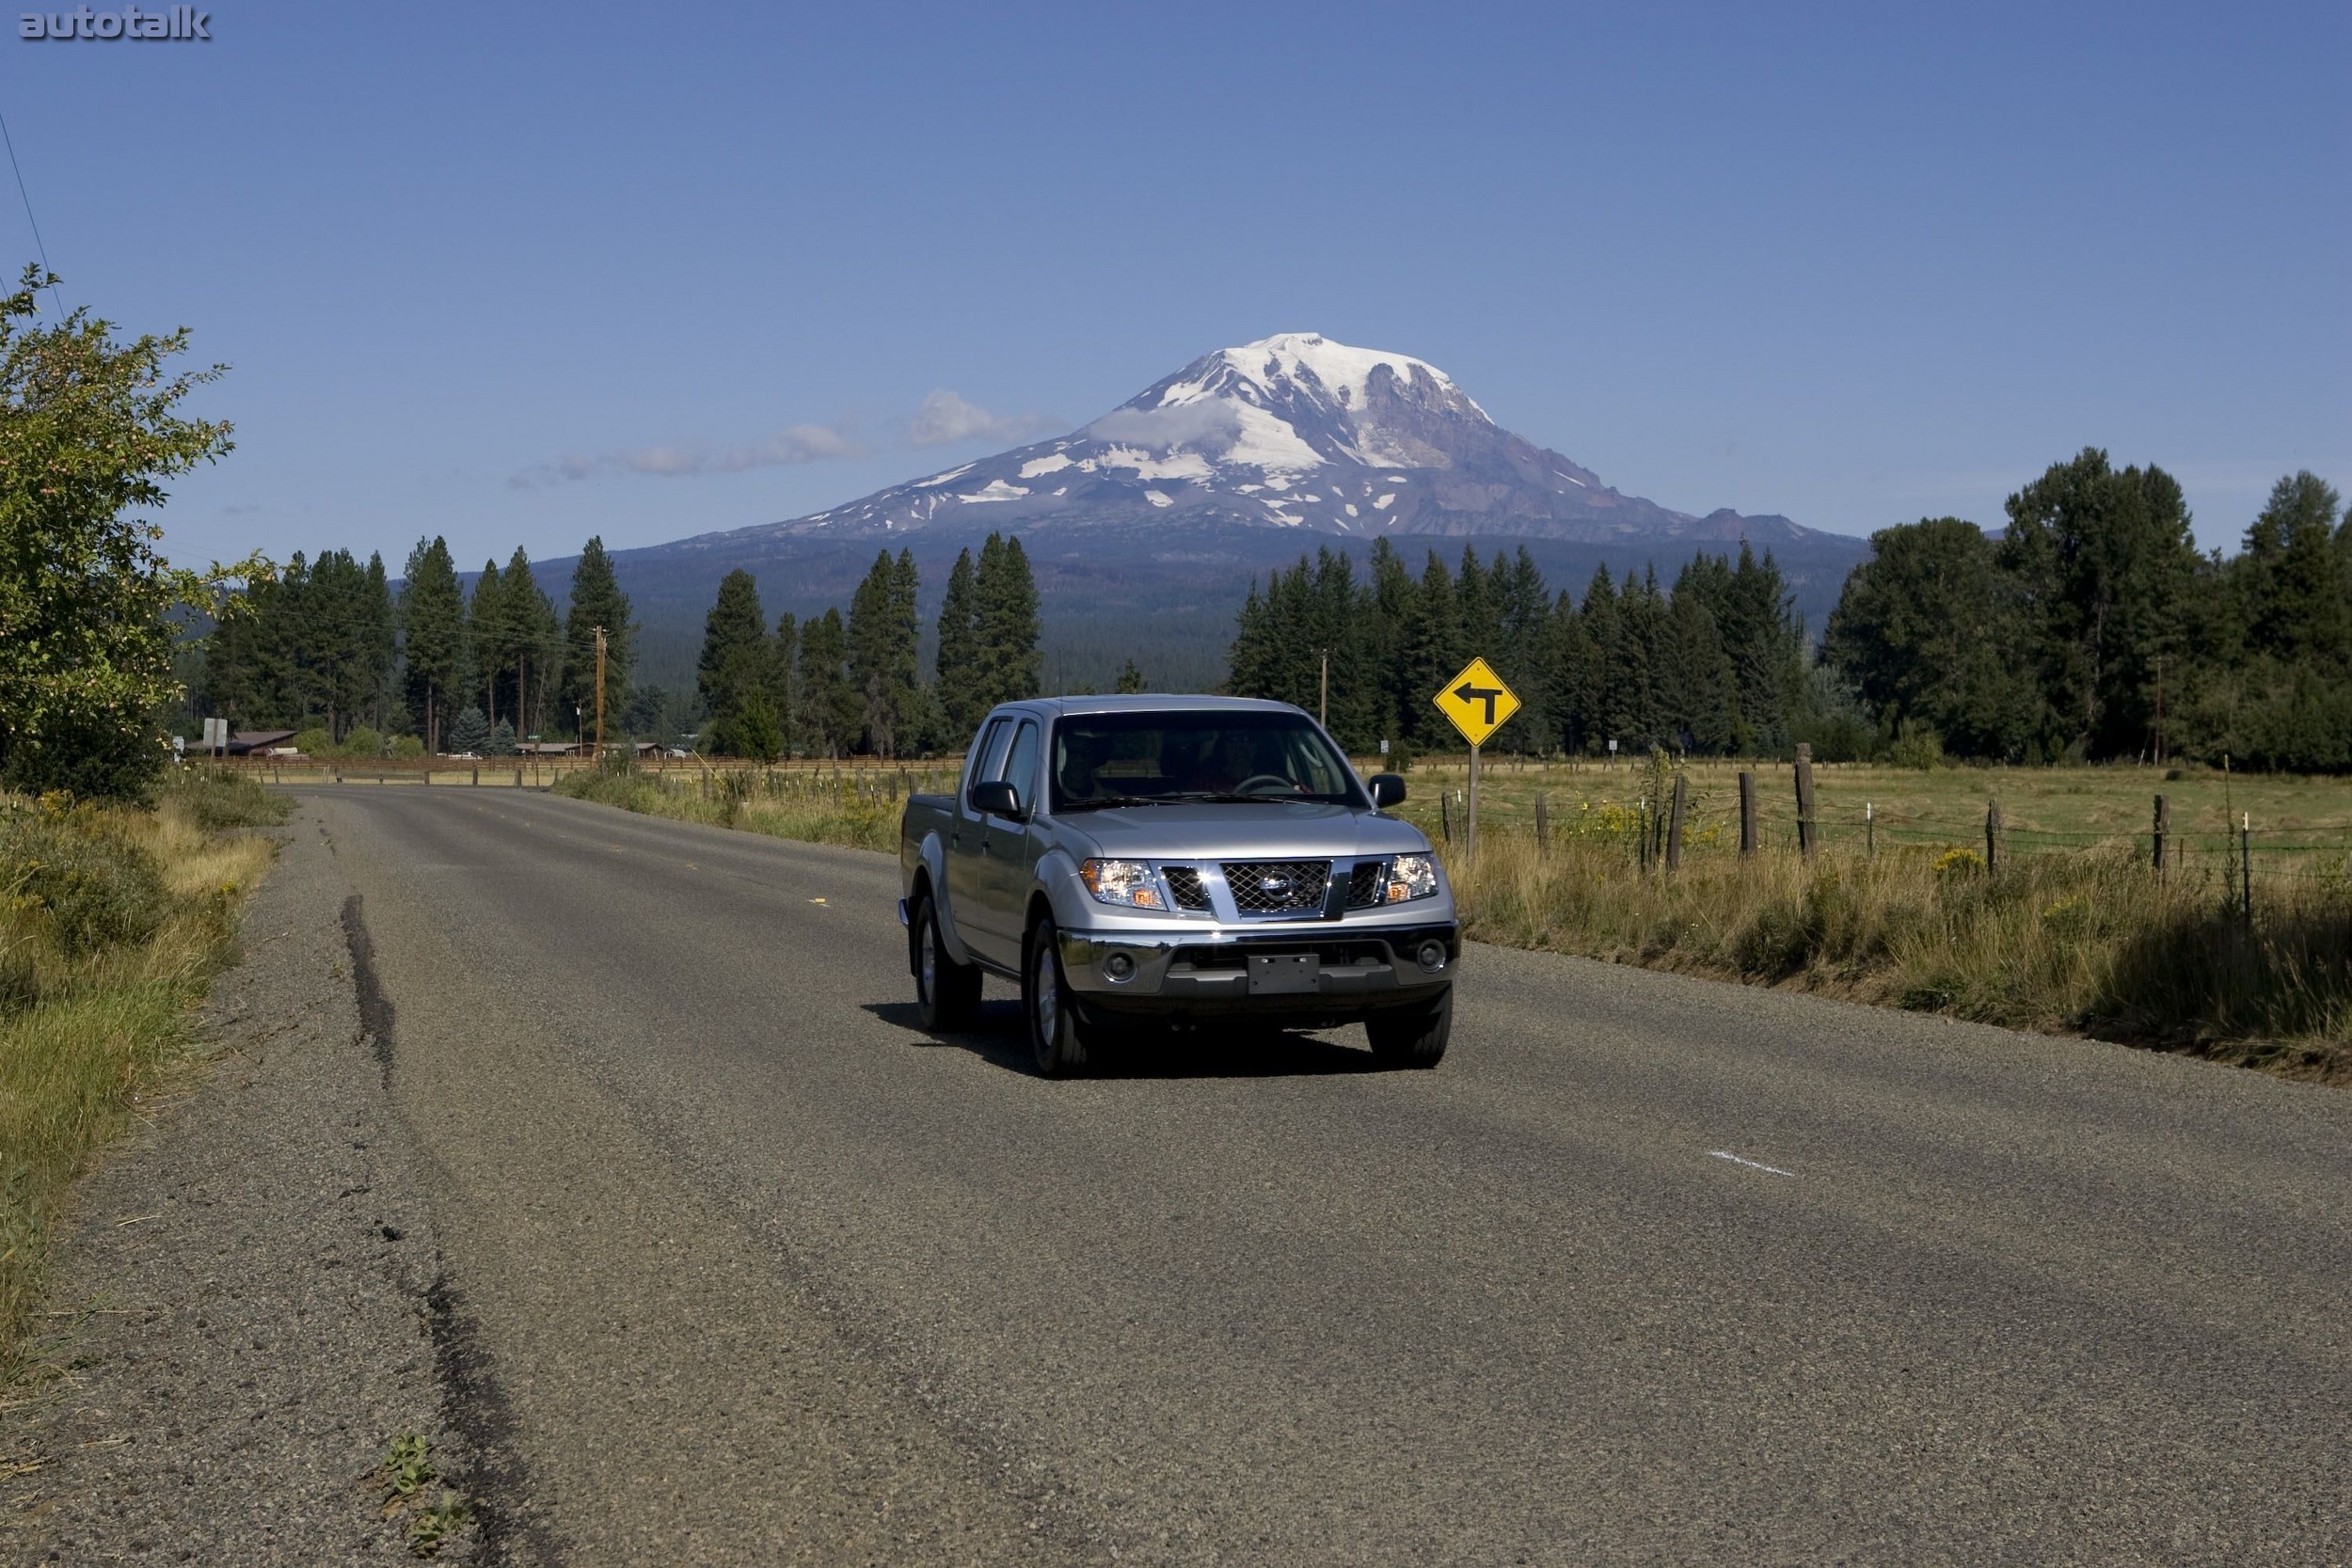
(990, 751)
(1020, 768)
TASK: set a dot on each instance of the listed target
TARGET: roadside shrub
(313, 742)
(91, 888)
(407, 748)
(217, 799)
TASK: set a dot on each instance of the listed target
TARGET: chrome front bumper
(1302, 967)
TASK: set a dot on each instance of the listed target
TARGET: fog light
(1432, 956)
(1119, 966)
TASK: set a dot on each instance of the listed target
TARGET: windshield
(1104, 759)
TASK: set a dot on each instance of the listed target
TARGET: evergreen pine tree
(883, 635)
(1250, 664)
(785, 666)
(382, 638)
(1130, 679)
(1012, 666)
(502, 739)
(1522, 655)
(486, 637)
(1700, 694)
(433, 634)
(1432, 654)
(832, 710)
(1571, 675)
(596, 600)
(1395, 607)
(1603, 621)
(962, 698)
(470, 732)
(534, 643)
(737, 661)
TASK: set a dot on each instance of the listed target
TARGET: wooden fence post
(1445, 814)
(1992, 837)
(1543, 824)
(1674, 823)
(2245, 867)
(1808, 833)
(2163, 824)
(1869, 830)
(1747, 811)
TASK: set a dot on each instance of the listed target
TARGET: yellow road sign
(1477, 701)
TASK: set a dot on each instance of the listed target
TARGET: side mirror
(995, 798)
(1388, 789)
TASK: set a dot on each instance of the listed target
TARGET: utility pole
(599, 694)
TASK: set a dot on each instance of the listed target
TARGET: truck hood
(1208, 831)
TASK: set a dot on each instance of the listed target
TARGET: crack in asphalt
(472, 1402)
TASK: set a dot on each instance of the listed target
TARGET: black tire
(1412, 1036)
(948, 993)
(1056, 1037)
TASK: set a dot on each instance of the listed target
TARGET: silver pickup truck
(1143, 861)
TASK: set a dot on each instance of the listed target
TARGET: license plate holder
(1283, 973)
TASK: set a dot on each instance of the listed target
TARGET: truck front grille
(1184, 885)
(1278, 887)
(1367, 884)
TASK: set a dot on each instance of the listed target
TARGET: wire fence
(1632, 805)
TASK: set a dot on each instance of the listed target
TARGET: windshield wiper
(1221, 795)
(1096, 802)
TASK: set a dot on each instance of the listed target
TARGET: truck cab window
(1020, 768)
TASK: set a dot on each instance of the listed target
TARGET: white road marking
(1751, 1165)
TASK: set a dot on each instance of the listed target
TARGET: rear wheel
(948, 992)
(1412, 1036)
(1056, 1037)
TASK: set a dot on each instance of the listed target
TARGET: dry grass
(2090, 942)
(859, 809)
(113, 921)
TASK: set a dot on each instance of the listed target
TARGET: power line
(40, 248)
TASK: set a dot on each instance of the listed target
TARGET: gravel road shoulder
(247, 1286)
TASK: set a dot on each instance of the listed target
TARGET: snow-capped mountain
(1291, 431)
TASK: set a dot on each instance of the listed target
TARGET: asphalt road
(1649, 1270)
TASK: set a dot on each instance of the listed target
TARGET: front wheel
(1412, 1036)
(948, 993)
(1055, 1036)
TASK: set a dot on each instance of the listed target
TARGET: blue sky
(519, 274)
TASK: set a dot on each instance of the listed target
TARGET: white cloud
(794, 444)
(946, 418)
(1184, 424)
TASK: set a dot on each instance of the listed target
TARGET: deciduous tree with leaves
(90, 428)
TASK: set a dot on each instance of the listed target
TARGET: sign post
(1478, 703)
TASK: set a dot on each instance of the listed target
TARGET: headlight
(1411, 876)
(1127, 882)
